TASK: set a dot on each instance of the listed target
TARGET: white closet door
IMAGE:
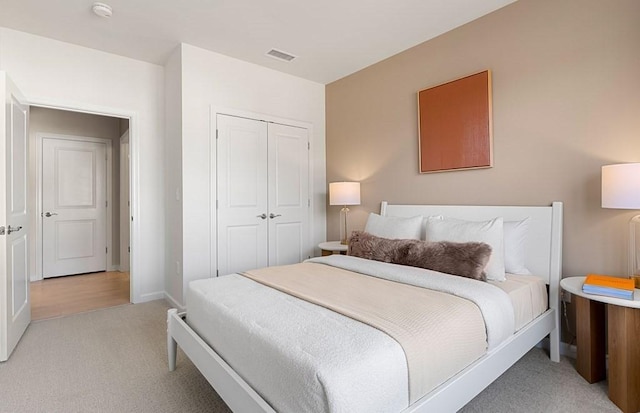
(288, 194)
(241, 194)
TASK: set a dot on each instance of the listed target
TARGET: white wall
(173, 176)
(64, 75)
(210, 79)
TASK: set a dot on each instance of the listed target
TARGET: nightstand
(332, 247)
(622, 335)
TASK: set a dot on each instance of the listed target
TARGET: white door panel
(288, 194)
(287, 243)
(20, 285)
(15, 307)
(241, 194)
(74, 206)
(245, 249)
(74, 239)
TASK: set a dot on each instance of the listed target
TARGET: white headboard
(544, 239)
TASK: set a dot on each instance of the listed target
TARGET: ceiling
(330, 38)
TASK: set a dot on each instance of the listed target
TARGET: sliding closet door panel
(242, 194)
(288, 194)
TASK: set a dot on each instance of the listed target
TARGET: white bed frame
(544, 259)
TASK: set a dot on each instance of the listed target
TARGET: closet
(262, 194)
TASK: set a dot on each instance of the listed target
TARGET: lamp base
(344, 237)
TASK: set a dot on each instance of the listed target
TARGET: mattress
(528, 295)
(291, 361)
(314, 359)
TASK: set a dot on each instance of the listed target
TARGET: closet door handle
(272, 216)
(13, 229)
(49, 214)
(263, 216)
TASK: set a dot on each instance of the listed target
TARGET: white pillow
(457, 230)
(394, 227)
(515, 244)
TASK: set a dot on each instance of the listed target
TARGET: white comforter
(316, 360)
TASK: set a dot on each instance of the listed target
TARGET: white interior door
(74, 215)
(15, 306)
(288, 194)
(241, 194)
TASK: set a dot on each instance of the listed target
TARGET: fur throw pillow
(467, 259)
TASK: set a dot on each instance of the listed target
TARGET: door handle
(263, 216)
(49, 214)
(13, 229)
(272, 216)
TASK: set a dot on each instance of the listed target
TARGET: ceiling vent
(280, 55)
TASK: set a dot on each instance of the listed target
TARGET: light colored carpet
(111, 360)
(114, 360)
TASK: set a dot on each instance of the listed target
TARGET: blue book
(608, 291)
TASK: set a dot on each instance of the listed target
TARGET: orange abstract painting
(455, 125)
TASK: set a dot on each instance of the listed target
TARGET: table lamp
(344, 193)
(621, 190)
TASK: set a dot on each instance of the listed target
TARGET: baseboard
(173, 302)
(143, 298)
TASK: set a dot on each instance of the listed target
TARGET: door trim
(124, 192)
(38, 273)
(213, 228)
(134, 178)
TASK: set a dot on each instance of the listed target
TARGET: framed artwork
(454, 121)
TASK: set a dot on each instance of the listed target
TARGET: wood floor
(60, 296)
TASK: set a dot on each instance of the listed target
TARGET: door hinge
(217, 204)
(129, 250)
(106, 250)
(308, 146)
(308, 202)
(216, 133)
(217, 273)
(2, 230)
(106, 204)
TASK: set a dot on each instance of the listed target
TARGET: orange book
(610, 281)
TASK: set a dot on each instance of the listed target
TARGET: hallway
(61, 296)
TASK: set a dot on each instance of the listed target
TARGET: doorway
(77, 226)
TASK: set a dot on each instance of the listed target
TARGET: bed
(533, 324)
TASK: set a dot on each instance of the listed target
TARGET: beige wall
(60, 122)
(566, 100)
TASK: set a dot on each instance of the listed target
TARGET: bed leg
(554, 345)
(172, 346)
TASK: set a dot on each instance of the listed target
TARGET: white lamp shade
(621, 186)
(344, 193)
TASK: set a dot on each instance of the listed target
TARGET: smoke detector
(102, 9)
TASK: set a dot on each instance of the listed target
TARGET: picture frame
(455, 125)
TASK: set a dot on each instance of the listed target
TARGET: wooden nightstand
(622, 335)
(332, 247)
